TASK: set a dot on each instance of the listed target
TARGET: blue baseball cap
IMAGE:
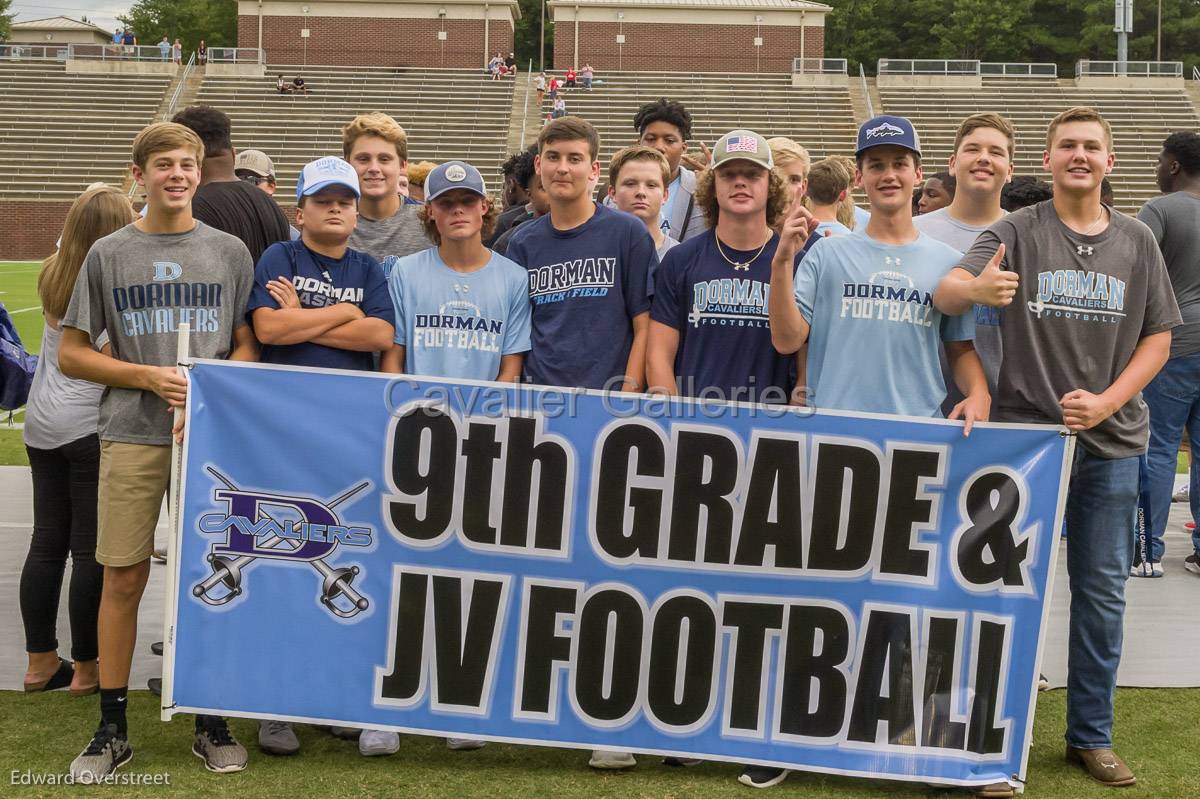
(453, 175)
(887, 129)
(324, 172)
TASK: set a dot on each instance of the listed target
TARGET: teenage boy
(828, 187)
(666, 126)
(538, 203)
(388, 229)
(609, 298)
(842, 304)
(165, 247)
(704, 340)
(1087, 324)
(637, 184)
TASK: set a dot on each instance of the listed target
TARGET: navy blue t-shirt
(586, 285)
(721, 314)
(321, 281)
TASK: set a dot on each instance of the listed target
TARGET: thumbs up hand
(995, 286)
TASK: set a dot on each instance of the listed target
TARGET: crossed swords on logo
(336, 582)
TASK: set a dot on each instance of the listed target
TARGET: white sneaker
(611, 761)
(1183, 494)
(373, 743)
(1147, 569)
(464, 744)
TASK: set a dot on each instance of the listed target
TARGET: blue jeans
(1101, 505)
(1173, 397)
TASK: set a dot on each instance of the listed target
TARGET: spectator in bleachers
(377, 147)
(494, 65)
(416, 179)
(510, 65)
(637, 184)
(538, 204)
(554, 87)
(936, 193)
(828, 187)
(177, 52)
(1173, 396)
(164, 48)
(666, 126)
(539, 86)
(570, 82)
(64, 455)
(129, 41)
(560, 108)
(282, 86)
(223, 201)
(1023, 191)
(586, 75)
(298, 85)
(202, 53)
(791, 162)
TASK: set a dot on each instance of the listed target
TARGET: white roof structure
(57, 24)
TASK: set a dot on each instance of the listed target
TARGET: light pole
(1158, 37)
(542, 41)
(304, 36)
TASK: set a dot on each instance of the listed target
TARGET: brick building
(687, 35)
(390, 33)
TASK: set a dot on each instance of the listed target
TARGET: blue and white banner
(831, 592)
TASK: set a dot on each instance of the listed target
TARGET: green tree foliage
(528, 31)
(5, 19)
(215, 21)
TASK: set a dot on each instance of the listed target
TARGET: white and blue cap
(887, 129)
(453, 175)
(324, 172)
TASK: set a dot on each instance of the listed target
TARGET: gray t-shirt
(1174, 219)
(139, 287)
(959, 235)
(60, 409)
(665, 247)
(389, 240)
(1083, 304)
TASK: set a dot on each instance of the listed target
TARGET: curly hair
(664, 110)
(210, 124)
(778, 197)
(1184, 147)
(485, 232)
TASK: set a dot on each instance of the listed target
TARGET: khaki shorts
(133, 482)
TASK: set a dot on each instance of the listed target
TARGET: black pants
(64, 520)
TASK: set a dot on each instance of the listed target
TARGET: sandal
(60, 679)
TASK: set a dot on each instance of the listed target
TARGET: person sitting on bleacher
(282, 86)
(571, 77)
(298, 85)
(510, 65)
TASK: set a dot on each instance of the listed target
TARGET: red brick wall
(689, 48)
(363, 42)
(29, 228)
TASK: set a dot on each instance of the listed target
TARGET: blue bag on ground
(16, 365)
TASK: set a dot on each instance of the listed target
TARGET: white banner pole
(175, 532)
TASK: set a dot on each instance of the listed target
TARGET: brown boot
(997, 790)
(1102, 765)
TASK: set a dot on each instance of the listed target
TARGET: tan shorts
(133, 482)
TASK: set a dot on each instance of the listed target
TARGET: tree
(215, 21)
(5, 20)
(984, 30)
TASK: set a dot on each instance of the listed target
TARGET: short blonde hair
(779, 197)
(987, 120)
(418, 172)
(785, 151)
(637, 152)
(163, 136)
(375, 124)
(1079, 114)
(485, 232)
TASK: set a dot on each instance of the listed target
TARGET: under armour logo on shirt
(1084, 249)
(890, 261)
(462, 288)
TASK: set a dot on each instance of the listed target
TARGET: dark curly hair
(522, 169)
(1184, 147)
(1025, 190)
(664, 110)
(212, 125)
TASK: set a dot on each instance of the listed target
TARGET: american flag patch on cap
(741, 144)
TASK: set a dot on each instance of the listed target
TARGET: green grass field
(1155, 733)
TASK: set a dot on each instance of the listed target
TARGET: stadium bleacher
(1141, 118)
(447, 114)
(59, 131)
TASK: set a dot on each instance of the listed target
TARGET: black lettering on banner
(607, 667)
(772, 517)
(544, 653)
(990, 551)
(626, 524)
(422, 506)
(816, 652)
(481, 451)
(405, 683)
(883, 690)
(525, 450)
(943, 645)
(683, 661)
(836, 466)
(706, 475)
(987, 736)
(905, 509)
(465, 656)
(751, 623)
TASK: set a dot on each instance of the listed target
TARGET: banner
(840, 593)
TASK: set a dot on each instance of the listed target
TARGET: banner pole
(183, 362)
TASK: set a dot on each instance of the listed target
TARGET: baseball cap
(453, 175)
(742, 145)
(255, 161)
(327, 171)
(887, 129)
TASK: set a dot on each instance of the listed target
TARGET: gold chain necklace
(741, 266)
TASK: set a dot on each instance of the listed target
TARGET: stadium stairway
(1141, 118)
(60, 132)
(447, 113)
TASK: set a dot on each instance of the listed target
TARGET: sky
(101, 12)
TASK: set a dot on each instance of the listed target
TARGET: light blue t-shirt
(861, 217)
(834, 228)
(875, 332)
(459, 324)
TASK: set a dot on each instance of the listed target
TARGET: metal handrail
(1195, 73)
(819, 66)
(236, 55)
(116, 52)
(174, 101)
(1009, 69)
(930, 66)
(525, 112)
(1129, 69)
(866, 91)
(33, 52)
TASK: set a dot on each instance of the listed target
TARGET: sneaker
(107, 752)
(611, 761)
(1147, 569)
(1102, 765)
(374, 743)
(277, 738)
(1043, 683)
(1192, 563)
(216, 746)
(682, 762)
(762, 776)
(1190, 526)
(1182, 495)
(345, 733)
(464, 744)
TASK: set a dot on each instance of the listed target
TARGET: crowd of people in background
(989, 327)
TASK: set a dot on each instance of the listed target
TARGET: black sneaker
(762, 776)
(107, 752)
(682, 762)
(216, 746)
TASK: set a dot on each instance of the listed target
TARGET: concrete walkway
(1162, 636)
